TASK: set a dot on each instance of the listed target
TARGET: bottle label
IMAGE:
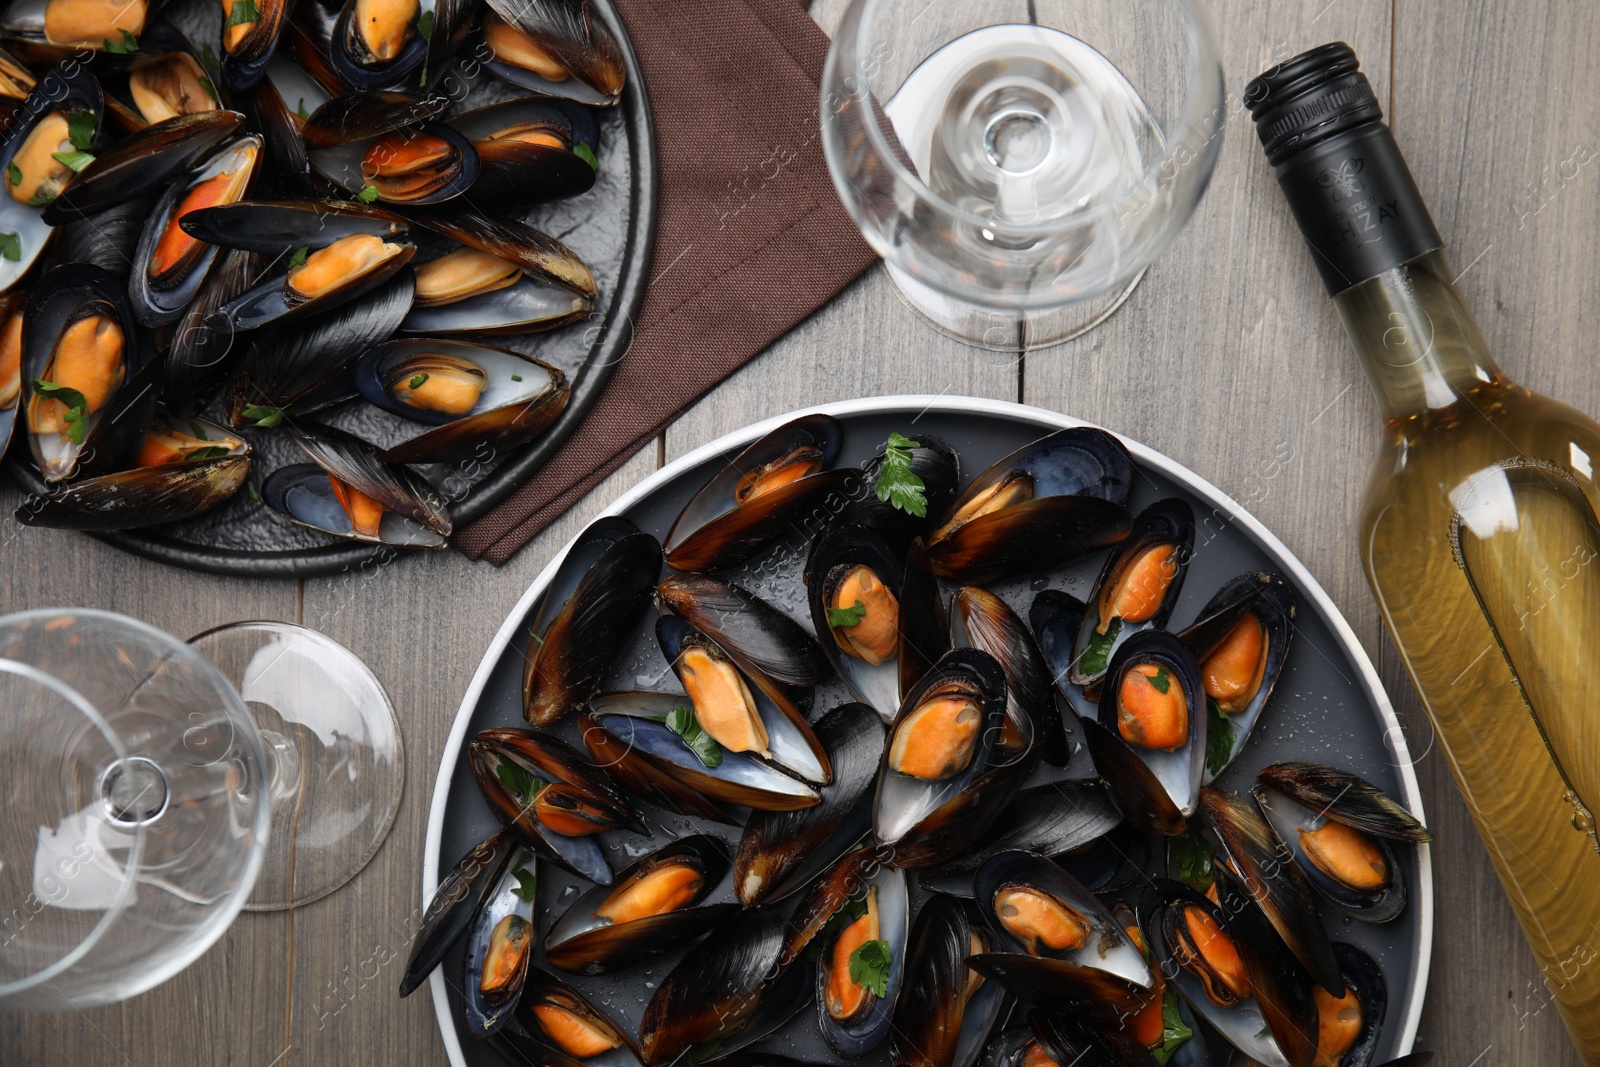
(1357, 206)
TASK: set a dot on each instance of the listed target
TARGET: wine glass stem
(283, 765)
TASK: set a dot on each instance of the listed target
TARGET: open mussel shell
(106, 239)
(1056, 945)
(1048, 820)
(729, 989)
(356, 464)
(302, 493)
(184, 469)
(1069, 1039)
(586, 617)
(481, 401)
(982, 620)
(167, 78)
(1250, 850)
(79, 313)
(1152, 701)
(1137, 588)
(853, 565)
(756, 634)
(655, 906)
(285, 366)
(511, 783)
(170, 265)
(1349, 1027)
(1055, 618)
(454, 903)
(1138, 793)
(142, 163)
(248, 44)
(1200, 947)
(628, 734)
(562, 48)
(500, 944)
(782, 850)
(566, 1030)
(1330, 835)
(61, 116)
(759, 495)
(275, 105)
(12, 305)
(369, 45)
(316, 285)
(936, 464)
(427, 164)
(946, 1011)
(276, 227)
(471, 291)
(502, 236)
(1241, 640)
(729, 702)
(1059, 497)
(525, 153)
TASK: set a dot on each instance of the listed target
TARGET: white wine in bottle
(1478, 532)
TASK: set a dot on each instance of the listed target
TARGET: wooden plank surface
(1227, 358)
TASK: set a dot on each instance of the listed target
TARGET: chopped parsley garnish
(80, 129)
(11, 246)
(211, 90)
(73, 161)
(265, 416)
(13, 173)
(368, 194)
(1220, 736)
(526, 887)
(211, 452)
(897, 482)
(425, 25)
(209, 58)
(516, 377)
(1174, 1031)
(1097, 653)
(77, 416)
(127, 45)
(869, 967)
(417, 381)
(255, 494)
(243, 12)
(1161, 681)
(300, 109)
(1191, 855)
(682, 722)
(299, 257)
(585, 153)
(850, 616)
(520, 782)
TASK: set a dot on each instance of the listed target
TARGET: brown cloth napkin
(734, 90)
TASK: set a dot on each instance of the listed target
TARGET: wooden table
(1228, 358)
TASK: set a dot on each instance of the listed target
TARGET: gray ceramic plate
(1329, 704)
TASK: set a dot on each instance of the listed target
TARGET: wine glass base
(1010, 330)
(335, 761)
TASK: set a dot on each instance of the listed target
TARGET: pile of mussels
(240, 220)
(1005, 850)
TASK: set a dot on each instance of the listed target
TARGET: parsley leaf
(417, 381)
(682, 722)
(425, 25)
(13, 173)
(1174, 1031)
(1192, 855)
(585, 153)
(1097, 653)
(209, 58)
(77, 416)
(300, 109)
(527, 886)
(897, 482)
(850, 616)
(299, 257)
(73, 161)
(255, 494)
(869, 967)
(211, 90)
(521, 783)
(80, 129)
(1220, 735)
(213, 452)
(127, 45)
(265, 415)
(368, 194)
(40, 199)
(243, 12)
(11, 246)
(1161, 681)
(516, 377)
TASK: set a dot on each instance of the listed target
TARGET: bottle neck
(1417, 340)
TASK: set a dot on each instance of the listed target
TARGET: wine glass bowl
(1019, 165)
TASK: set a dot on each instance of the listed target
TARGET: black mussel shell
(520, 397)
(12, 304)
(1166, 524)
(752, 631)
(519, 172)
(143, 163)
(352, 117)
(352, 59)
(1071, 1039)
(983, 620)
(1281, 986)
(106, 239)
(1364, 980)
(1267, 598)
(1138, 793)
(1177, 767)
(272, 300)
(781, 850)
(577, 37)
(1055, 618)
(1343, 797)
(356, 463)
(1250, 850)
(939, 468)
(822, 910)
(780, 479)
(344, 164)
(628, 734)
(586, 617)
(276, 227)
(791, 743)
(544, 990)
(302, 493)
(147, 495)
(454, 903)
(503, 236)
(246, 61)
(287, 172)
(1112, 863)
(504, 922)
(942, 1018)
(581, 942)
(1050, 820)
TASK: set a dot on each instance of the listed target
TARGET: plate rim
(730, 443)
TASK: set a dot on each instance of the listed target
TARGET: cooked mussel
(878, 613)
(384, 146)
(1240, 639)
(170, 85)
(250, 30)
(79, 349)
(1049, 501)
(1340, 830)
(143, 163)
(350, 492)
(481, 401)
(171, 264)
(754, 499)
(1152, 703)
(641, 739)
(16, 82)
(559, 1018)
(559, 48)
(500, 945)
(945, 1010)
(781, 850)
(733, 710)
(934, 463)
(12, 305)
(1138, 793)
(182, 469)
(1348, 1026)
(729, 989)
(586, 617)
(982, 620)
(529, 152)
(1136, 590)
(502, 236)
(470, 291)
(454, 903)
(766, 642)
(48, 31)
(654, 906)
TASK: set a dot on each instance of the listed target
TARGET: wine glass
(139, 776)
(1019, 163)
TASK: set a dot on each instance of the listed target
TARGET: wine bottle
(1478, 530)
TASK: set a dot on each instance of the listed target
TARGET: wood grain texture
(1227, 357)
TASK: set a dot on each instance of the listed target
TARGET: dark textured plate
(1328, 705)
(612, 227)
